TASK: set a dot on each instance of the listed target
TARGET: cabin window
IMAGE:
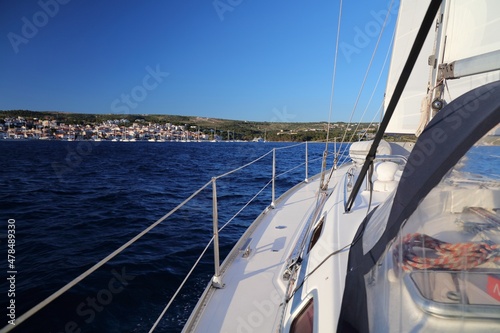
(303, 323)
(317, 232)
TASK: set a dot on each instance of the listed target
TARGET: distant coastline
(65, 126)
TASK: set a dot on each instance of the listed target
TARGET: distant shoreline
(65, 126)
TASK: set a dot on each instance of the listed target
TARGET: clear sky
(236, 59)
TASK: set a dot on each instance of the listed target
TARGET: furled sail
(406, 117)
(467, 29)
(471, 31)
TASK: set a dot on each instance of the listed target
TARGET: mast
(439, 41)
(469, 50)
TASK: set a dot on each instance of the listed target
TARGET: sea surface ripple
(76, 202)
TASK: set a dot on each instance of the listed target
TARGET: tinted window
(303, 323)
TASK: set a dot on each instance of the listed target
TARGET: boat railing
(217, 282)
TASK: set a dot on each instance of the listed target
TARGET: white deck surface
(248, 301)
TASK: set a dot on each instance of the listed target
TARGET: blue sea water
(75, 202)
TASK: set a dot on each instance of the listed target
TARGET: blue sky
(234, 59)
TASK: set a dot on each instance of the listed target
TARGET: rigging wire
(92, 269)
(376, 86)
(334, 74)
(287, 147)
(96, 266)
(345, 247)
(368, 69)
(164, 311)
(325, 153)
(245, 205)
(398, 90)
(243, 166)
(343, 150)
(181, 285)
(380, 110)
(162, 314)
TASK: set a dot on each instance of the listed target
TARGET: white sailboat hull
(249, 302)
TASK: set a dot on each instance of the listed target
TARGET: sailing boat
(402, 238)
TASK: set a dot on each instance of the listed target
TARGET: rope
(443, 255)
(491, 221)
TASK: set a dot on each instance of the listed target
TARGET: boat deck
(248, 278)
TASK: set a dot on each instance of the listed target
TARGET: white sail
(407, 114)
(470, 29)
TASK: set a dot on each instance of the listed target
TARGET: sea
(71, 204)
